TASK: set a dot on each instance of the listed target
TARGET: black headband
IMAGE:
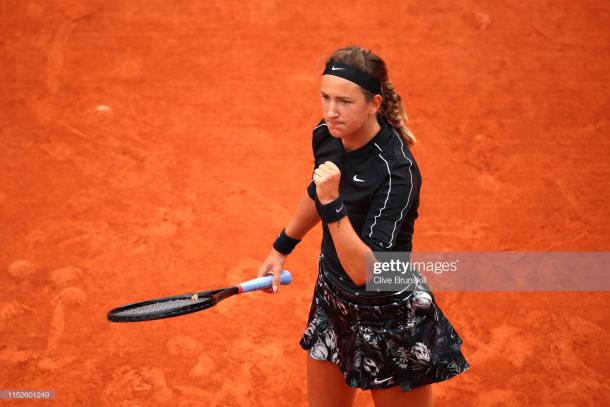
(348, 72)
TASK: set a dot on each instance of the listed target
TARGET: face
(344, 106)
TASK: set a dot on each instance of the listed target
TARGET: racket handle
(261, 283)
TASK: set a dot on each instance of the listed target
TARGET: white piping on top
(390, 189)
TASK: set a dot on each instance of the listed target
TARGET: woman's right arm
(303, 220)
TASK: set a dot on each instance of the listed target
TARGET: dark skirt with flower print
(407, 342)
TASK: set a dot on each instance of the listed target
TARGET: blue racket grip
(261, 283)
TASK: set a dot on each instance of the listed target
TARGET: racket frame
(215, 296)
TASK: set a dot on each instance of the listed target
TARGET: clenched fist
(327, 177)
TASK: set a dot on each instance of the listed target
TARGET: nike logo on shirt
(358, 179)
(334, 68)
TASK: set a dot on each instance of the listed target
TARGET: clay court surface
(156, 148)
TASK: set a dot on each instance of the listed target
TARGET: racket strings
(164, 306)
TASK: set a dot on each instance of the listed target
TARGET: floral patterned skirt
(378, 344)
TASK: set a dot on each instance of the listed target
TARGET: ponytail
(393, 110)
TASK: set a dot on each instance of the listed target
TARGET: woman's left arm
(353, 253)
(390, 203)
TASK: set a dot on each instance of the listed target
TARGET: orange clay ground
(156, 148)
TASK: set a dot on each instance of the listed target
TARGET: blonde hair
(391, 105)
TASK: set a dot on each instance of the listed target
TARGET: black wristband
(332, 211)
(284, 243)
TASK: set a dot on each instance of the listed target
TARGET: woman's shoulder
(321, 138)
(398, 160)
(398, 152)
(320, 130)
(321, 126)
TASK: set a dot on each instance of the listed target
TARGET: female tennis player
(365, 190)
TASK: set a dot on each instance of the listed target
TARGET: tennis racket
(168, 307)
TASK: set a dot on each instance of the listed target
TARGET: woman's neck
(362, 136)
